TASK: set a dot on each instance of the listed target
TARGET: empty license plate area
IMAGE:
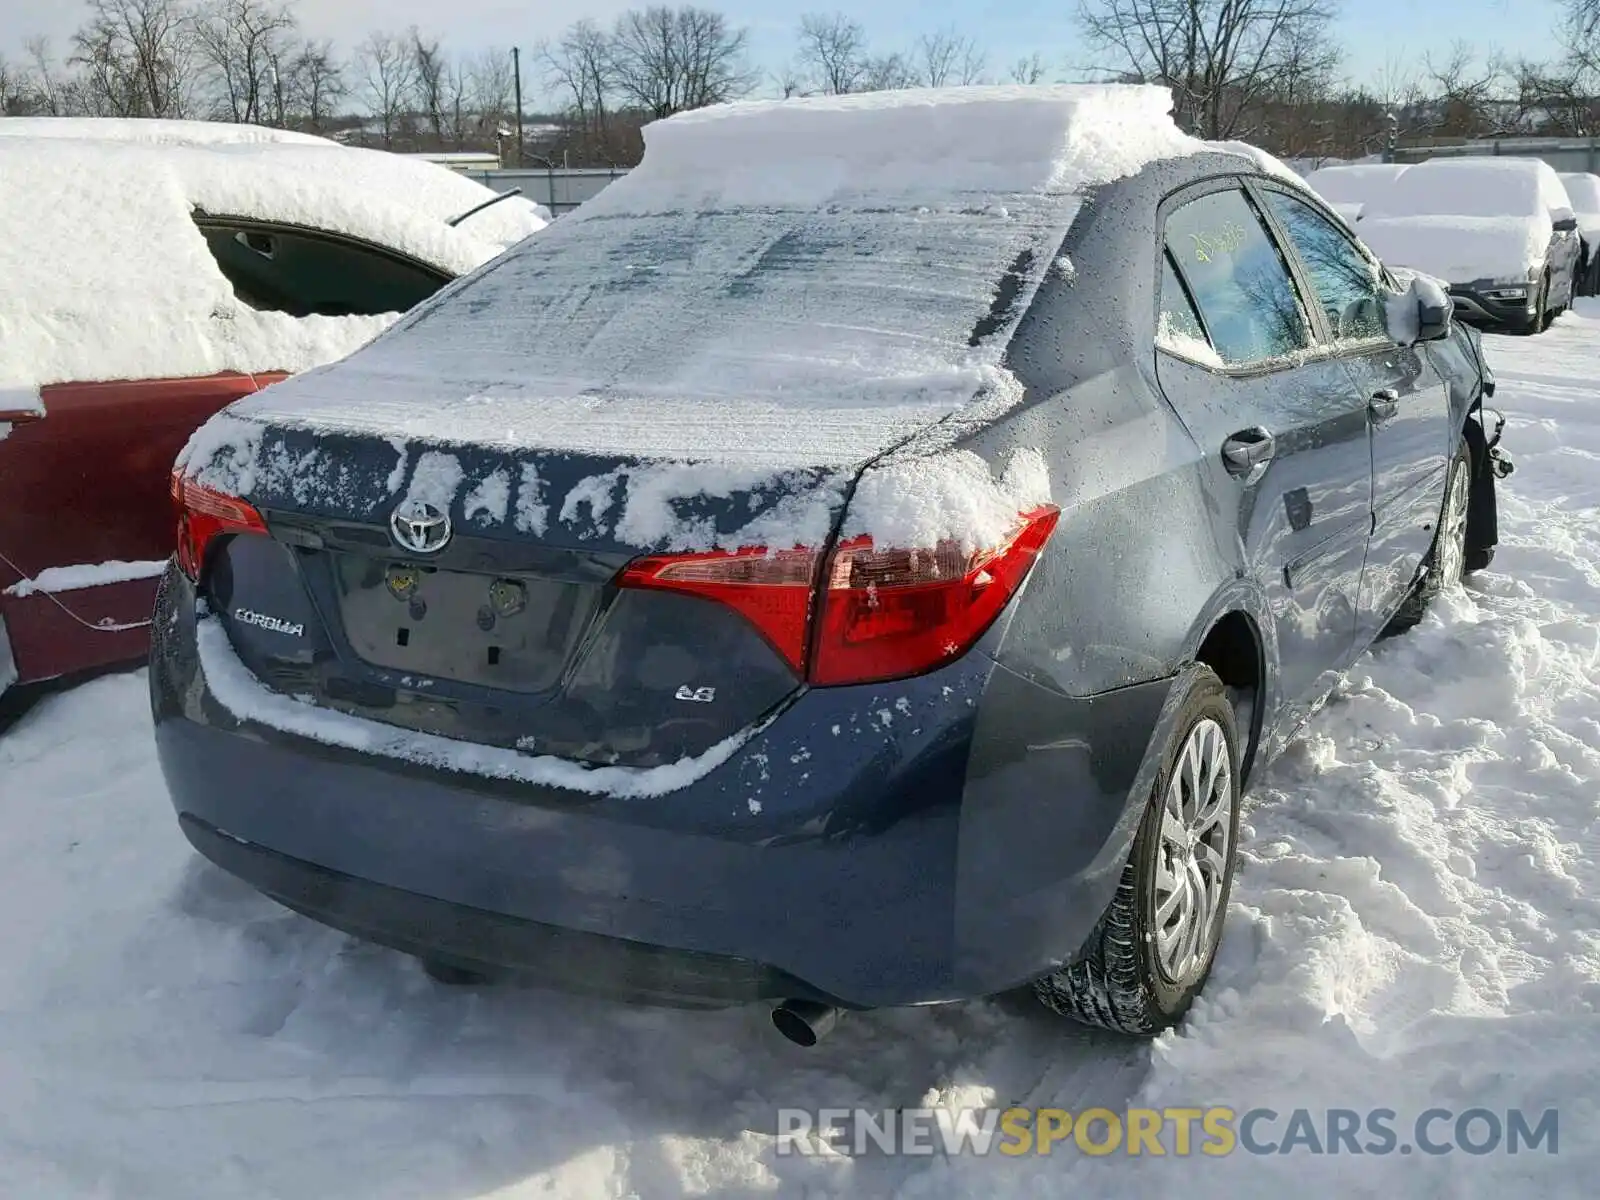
(504, 631)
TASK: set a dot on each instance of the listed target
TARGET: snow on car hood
(783, 283)
(1460, 250)
(114, 280)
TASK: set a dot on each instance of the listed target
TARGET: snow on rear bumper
(861, 847)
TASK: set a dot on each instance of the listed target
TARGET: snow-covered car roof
(153, 130)
(1348, 188)
(1473, 187)
(114, 280)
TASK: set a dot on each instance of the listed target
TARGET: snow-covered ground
(1416, 925)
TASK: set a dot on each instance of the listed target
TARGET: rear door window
(305, 272)
(1238, 279)
(1178, 327)
(1347, 282)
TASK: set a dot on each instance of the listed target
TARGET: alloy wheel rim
(1453, 531)
(1191, 866)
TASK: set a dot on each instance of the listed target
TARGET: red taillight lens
(205, 513)
(889, 614)
(885, 614)
(771, 589)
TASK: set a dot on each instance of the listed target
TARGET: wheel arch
(1235, 640)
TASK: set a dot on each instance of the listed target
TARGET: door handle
(1247, 451)
(1384, 404)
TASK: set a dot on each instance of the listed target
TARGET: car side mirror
(1433, 318)
(1422, 312)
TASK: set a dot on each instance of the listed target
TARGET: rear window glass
(776, 302)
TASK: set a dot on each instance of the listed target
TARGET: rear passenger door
(1242, 361)
(1407, 402)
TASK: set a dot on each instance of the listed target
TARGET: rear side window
(1178, 328)
(1345, 279)
(1238, 279)
(301, 272)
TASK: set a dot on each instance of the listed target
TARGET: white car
(1500, 231)
(1347, 189)
(152, 272)
(1583, 189)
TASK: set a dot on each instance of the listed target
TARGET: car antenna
(454, 221)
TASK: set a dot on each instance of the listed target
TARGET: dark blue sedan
(832, 591)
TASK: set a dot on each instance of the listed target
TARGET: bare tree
(1221, 58)
(1464, 93)
(493, 91)
(833, 53)
(888, 72)
(242, 44)
(388, 72)
(665, 60)
(578, 68)
(946, 59)
(52, 95)
(492, 87)
(137, 58)
(1028, 70)
(315, 83)
(431, 71)
(14, 101)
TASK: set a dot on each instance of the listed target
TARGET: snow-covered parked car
(152, 273)
(1500, 231)
(1583, 189)
(1348, 189)
(857, 559)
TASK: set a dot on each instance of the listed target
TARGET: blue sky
(1375, 32)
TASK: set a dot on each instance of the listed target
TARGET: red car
(153, 272)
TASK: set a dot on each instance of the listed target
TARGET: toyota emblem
(420, 527)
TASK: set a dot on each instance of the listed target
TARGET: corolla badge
(420, 527)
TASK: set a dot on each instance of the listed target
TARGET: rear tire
(1448, 561)
(1149, 956)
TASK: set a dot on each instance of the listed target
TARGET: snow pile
(778, 287)
(1413, 926)
(950, 497)
(115, 281)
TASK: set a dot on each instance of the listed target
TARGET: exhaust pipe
(805, 1022)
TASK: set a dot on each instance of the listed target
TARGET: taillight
(885, 613)
(203, 514)
(889, 614)
(771, 589)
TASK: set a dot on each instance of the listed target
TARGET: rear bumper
(934, 839)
